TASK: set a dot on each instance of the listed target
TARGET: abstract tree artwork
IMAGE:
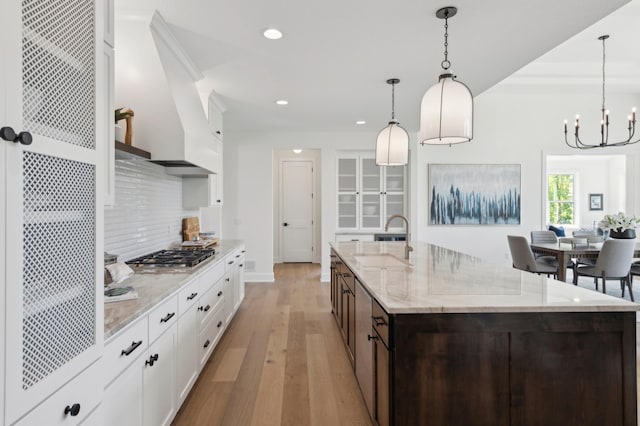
(474, 194)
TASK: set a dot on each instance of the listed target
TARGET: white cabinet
(367, 194)
(159, 387)
(216, 111)
(122, 403)
(188, 329)
(202, 191)
(51, 245)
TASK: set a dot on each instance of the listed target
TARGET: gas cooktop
(173, 258)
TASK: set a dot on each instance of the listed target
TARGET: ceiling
(335, 56)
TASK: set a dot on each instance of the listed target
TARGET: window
(560, 190)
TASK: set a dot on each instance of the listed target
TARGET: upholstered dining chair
(613, 262)
(635, 270)
(523, 257)
(548, 237)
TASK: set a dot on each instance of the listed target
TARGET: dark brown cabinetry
(509, 368)
(344, 303)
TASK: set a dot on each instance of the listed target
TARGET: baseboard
(325, 277)
(255, 277)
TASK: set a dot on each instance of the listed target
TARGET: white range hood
(157, 79)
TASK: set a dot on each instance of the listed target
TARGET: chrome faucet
(407, 247)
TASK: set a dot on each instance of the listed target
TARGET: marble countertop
(437, 279)
(153, 285)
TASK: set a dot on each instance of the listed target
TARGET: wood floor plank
(321, 393)
(229, 367)
(295, 404)
(268, 406)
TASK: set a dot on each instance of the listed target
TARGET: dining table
(565, 250)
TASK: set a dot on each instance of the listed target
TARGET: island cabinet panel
(514, 368)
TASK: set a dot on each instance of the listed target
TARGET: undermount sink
(380, 260)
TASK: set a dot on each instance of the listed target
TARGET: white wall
(510, 128)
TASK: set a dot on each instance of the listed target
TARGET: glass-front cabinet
(368, 194)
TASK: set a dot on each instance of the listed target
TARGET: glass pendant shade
(392, 147)
(446, 113)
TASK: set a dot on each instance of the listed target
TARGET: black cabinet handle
(241, 265)
(168, 317)
(152, 359)
(73, 410)
(379, 321)
(346, 275)
(237, 256)
(207, 343)
(370, 337)
(220, 293)
(345, 291)
(206, 308)
(218, 201)
(227, 279)
(242, 251)
(218, 132)
(133, 347)
(219, 324)
(9, 135)
(192, 296)
(231, 262)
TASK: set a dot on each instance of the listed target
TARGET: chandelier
(446, 112)
(604, 122)
(392, 146)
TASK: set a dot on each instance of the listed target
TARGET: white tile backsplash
(147, 214)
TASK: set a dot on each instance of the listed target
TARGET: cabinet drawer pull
(73, 410)
(370, 337)
(237, 256)
(346, 275)
(219, 324)
(206, 308)
(168, 317)
(242, 251)
(227, 279)
(207, 343)
(192, 296)
(220, 293)
(152, 359)
(379, 321)
(345, 291)
(133, 347)
(231, 262)
(241, 265)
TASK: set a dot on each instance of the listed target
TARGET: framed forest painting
(474, 194)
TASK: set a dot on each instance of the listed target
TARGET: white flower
(619, 222)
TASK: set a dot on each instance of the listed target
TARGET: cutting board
(204, 243)
(190, 228)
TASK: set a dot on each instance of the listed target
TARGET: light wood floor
(281, 362)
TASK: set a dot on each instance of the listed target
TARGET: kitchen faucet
(407, 247)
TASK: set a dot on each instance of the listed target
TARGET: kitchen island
(446, 338)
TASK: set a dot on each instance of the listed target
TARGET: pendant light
(446, 113)
(392, 147)
(604, 122)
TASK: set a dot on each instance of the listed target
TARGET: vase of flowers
(620, 226)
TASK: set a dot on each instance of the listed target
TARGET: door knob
(9, 135)
(285, 224)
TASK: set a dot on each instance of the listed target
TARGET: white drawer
(212, 275)
(210, 301)
(71, 404)
(162, 317)
(189, 295)
(123, 348)
(229, 261)
(210, 335)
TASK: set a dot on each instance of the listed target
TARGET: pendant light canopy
(392, 147)
(446, 113)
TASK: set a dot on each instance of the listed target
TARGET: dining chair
(613, 262)
(635, 270)
(523, 257)
(548, 237)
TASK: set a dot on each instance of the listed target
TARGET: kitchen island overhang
(472, 342)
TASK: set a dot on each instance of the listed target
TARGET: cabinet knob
(285, 224)
(152, 359)
(218, 201)
(9, 135)
(219, 324)
(207, 343)
(72, 410)
(220, 293)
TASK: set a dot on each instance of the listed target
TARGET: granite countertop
(153, 286)
(437, 279)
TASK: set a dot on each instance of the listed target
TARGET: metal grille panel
(59, 263)
(58, 62)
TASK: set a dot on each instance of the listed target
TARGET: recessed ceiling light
(282, 102)
(272, 34)
(297, 150)
(361, 122)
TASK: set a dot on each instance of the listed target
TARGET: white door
(297, 211)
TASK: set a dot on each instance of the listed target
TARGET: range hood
(156, 78)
